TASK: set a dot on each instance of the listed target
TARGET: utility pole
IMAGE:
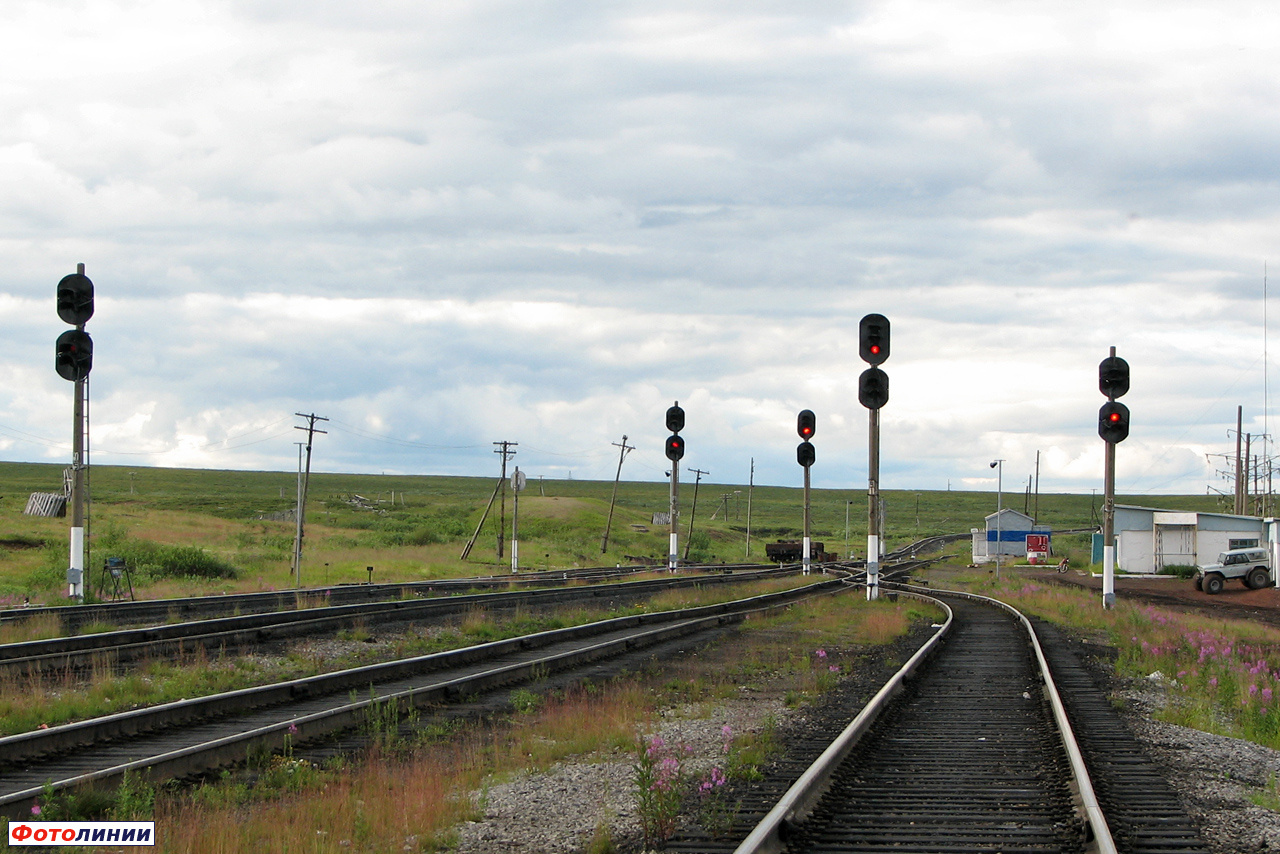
(503, 448)
(302, 494)
(623, 450)
(1239, 506)
(1036, 517)
(751, 488)
(693, 511)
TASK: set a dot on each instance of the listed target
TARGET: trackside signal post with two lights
(675, 452)
(806, 425)
(1113, 427)
(873, 393)
(73, 360)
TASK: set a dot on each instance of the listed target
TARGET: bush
(1181, 570)
(156, 560)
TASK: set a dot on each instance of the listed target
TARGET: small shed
(1005, 533)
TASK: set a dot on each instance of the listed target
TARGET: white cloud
(443, 223)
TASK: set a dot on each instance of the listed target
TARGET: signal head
(805, 454)
(675, 448)
(873, 388)
(73, 355)
(806, 424)
(873, 339)
(1113, 377)
(675, 418)
(75, 299)
(1113, 422)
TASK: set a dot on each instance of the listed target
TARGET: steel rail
(73, 616)
(82, 651)
(767, 836)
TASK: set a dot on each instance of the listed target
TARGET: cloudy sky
(450, 223)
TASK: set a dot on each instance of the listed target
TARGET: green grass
(196, 531)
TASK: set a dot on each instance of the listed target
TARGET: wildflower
(35, 809)
(293, 729)
(835, 668)
(822, 653)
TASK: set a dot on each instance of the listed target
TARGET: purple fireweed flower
(822, 653)
(35, 809)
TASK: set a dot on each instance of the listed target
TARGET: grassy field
(188, 531)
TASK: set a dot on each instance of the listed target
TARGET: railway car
(793, 552)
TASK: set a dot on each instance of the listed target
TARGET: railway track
(970, 748)
(155, 611)
(54, 658)
(199, 735)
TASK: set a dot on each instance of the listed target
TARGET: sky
(442, 225)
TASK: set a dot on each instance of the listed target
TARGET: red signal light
(875, 349)
(1113, 417)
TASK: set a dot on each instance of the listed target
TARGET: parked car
(1252, 566)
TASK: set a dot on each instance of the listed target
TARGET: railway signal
(73, 355)
(806, 426)
(73, 359)
(1113, 427)
(675, 453)
(873, 388)
(873, 339)
(1113, 422)
(75, 299)
(873, 393)
(1113, 377)
(805, 454)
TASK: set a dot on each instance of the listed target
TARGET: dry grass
(411, 802)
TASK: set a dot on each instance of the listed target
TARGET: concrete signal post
(1113, 428)
(806, 426)
(675, 452)
(873, 393)
(73, 361)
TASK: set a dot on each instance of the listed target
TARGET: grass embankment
(413, 788)
(190, 532)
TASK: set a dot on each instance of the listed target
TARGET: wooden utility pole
(624, 449)
(503, 448)
(302, 495)
(693, 511)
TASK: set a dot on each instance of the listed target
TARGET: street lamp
(998, 465)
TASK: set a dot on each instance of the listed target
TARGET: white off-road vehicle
(1252, 566)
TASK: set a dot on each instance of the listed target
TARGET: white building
(1005, 533)
(1149, 539)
